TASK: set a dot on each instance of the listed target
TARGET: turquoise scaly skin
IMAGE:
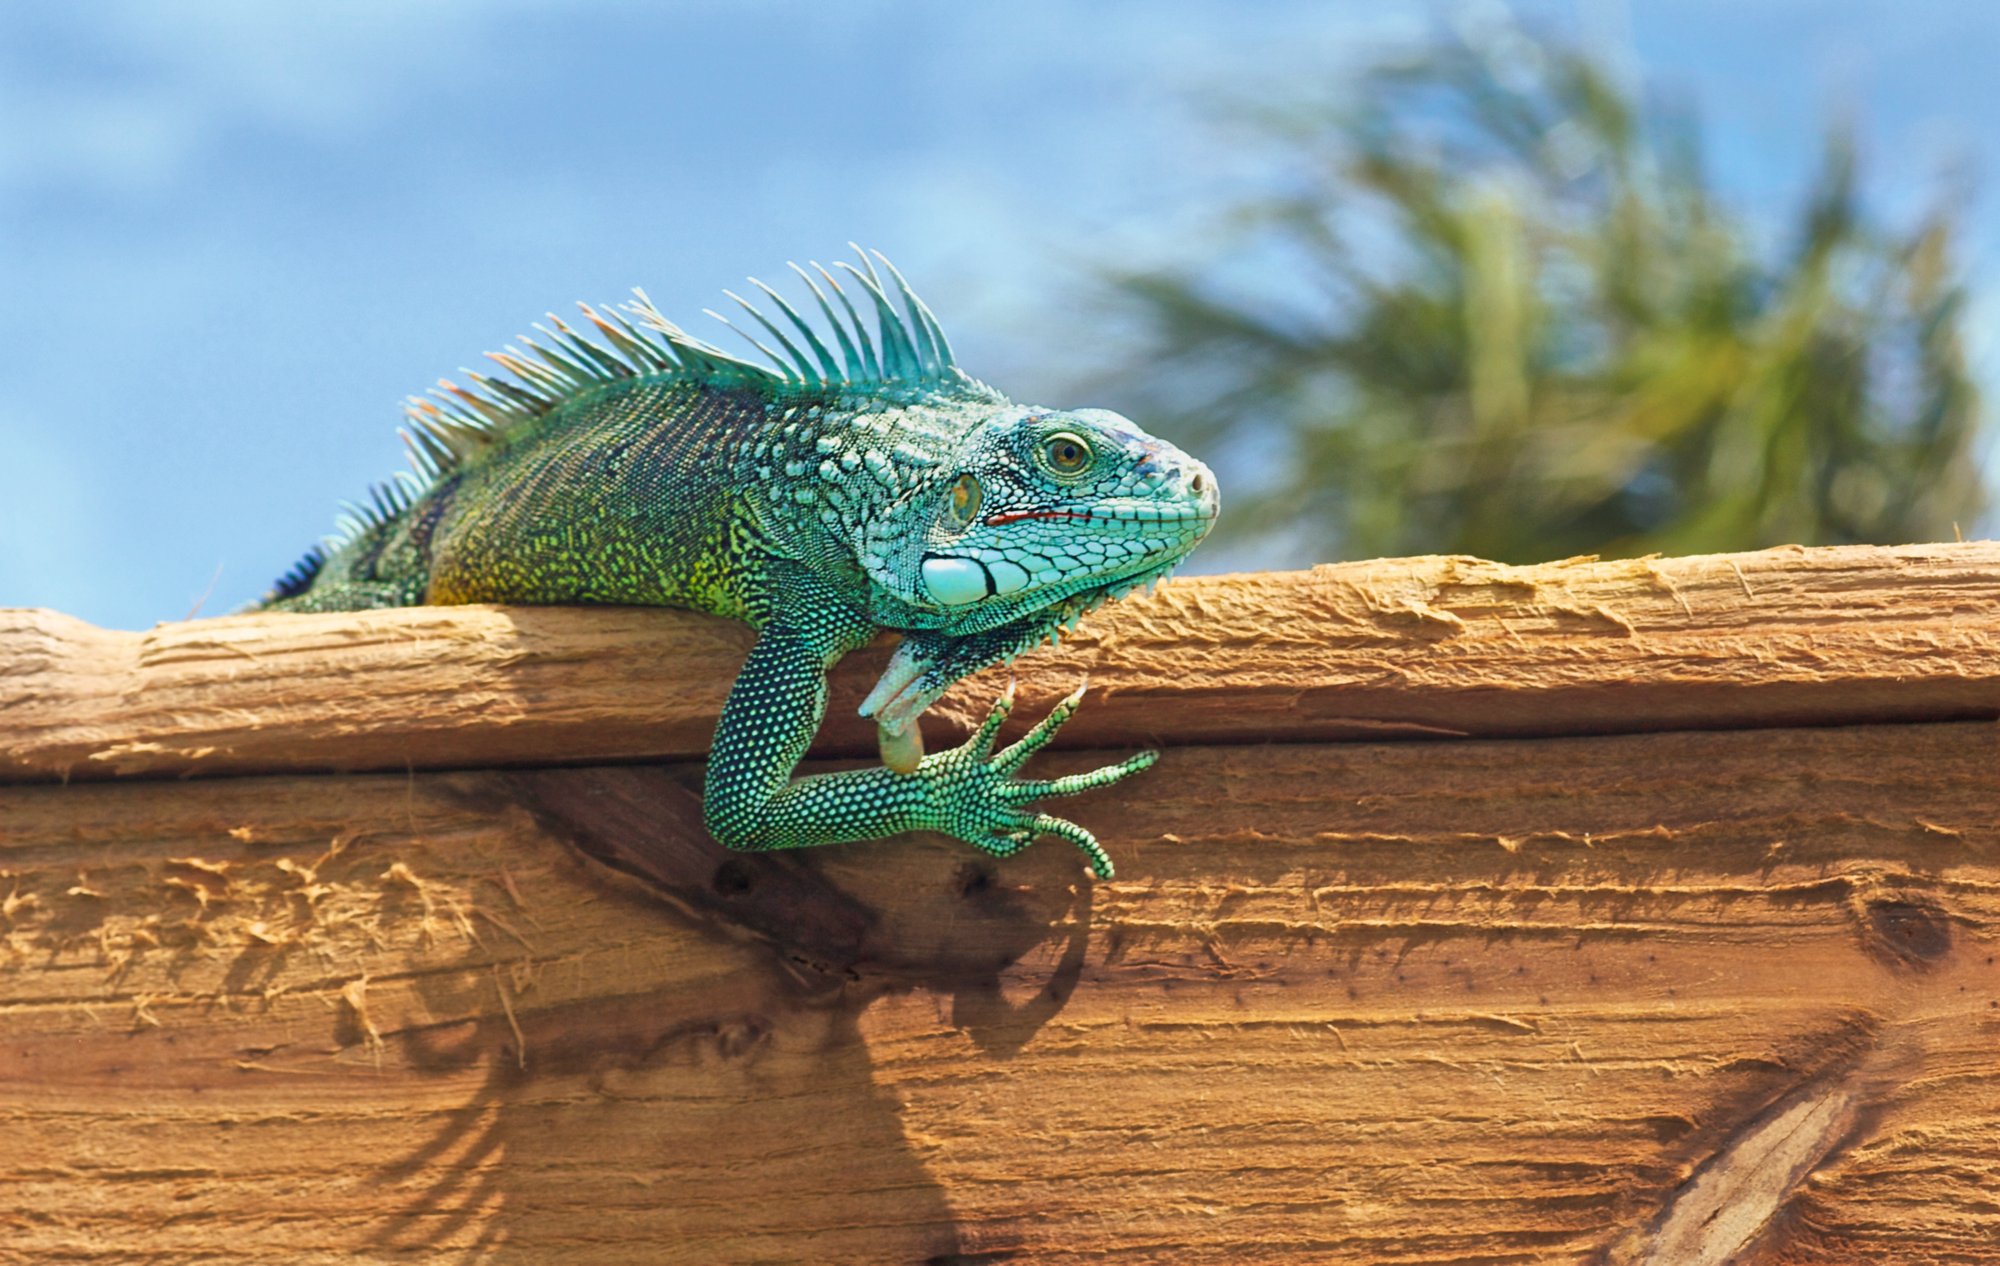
(842, 490)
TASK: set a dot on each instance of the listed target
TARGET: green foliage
(1503, 314)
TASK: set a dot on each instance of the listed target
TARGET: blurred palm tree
(1519, 324)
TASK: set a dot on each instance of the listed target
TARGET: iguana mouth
(1137, 513)
(1019, 516)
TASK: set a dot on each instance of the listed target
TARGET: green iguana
(823, 500)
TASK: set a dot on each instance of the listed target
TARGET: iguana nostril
(1198, 484)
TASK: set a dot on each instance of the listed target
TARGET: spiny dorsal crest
(908, 349)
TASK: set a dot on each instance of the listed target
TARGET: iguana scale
(849, 487)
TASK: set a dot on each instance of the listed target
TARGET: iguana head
(1038, 506)
(1037, 516)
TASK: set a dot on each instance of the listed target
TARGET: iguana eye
(962, 504)
(1065, 454)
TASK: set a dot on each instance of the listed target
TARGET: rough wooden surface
(1401, 647)
(1649, 998)
(1684, 994)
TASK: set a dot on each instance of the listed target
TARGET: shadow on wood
(438, 1028)
(1680, 996)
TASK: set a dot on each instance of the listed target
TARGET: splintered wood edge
(1419, 647)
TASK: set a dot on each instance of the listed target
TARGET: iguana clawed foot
(976, 797)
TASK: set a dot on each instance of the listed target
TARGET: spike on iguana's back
(850, 358)
(630, 344)
(870, 369)
(831, 372)
(460, 423)
(300, 577)
(599, 363)
(900, 359)
(937, 346)
(784, 371)
(703, 362)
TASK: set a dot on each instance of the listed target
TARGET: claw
(1025, 790)
(1100, 861)
(982, 741)
(1045, 729)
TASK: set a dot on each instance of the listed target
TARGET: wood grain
(1684, 953)
(1681, 997)
(1400, 647)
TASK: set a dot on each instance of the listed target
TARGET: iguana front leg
(970, 792)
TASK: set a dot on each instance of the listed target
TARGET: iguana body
(841, 494)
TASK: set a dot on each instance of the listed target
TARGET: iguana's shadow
(756, 1063)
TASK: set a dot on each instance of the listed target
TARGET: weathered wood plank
(1426, 646)
(1550, 1000)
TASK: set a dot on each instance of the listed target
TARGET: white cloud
(122, 96)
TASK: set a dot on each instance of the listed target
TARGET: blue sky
(233, 236)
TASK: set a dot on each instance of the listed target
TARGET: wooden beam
(1665, 998)
(1400, 647)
